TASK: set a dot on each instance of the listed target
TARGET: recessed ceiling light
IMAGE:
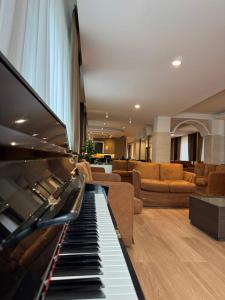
(13, 143)
(20, 121)
(35, 134)
(137, 106)
(104, 124)
(107, 115)
(44, 138)
(130, 121)
(176, 62)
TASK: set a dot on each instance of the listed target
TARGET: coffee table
(208, 214)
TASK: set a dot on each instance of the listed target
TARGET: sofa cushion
(123, 173)
(181, 186)
(154, 185)
(199, 169)
(131, 164)
(148, 170)
(220, 168)
(171, 172)
(119, 165)
(201, 181)
(209, 168)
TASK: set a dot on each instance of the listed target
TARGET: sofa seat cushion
(171, 171)
(154, 185)
(123, 173)
(181, 186)
(201, 181)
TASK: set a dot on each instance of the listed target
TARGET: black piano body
(42, 198)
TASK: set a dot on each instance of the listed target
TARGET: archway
(201, 127)
(190, 135)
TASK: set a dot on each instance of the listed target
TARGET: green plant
(87, 151)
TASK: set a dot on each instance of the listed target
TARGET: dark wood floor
(174, 260)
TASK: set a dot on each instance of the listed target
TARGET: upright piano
(58, 237)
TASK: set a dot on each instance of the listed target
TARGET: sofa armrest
(216, 184)
(106, 177)
(97, 170)
(188, 176)
(137, 183)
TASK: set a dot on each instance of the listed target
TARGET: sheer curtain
(184, 148)
(35, 36)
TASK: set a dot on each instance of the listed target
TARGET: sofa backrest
(171, 171)
(209, 168)
(220, 168)
(119, 165)
(148, 170)
(199, 169)
(131, 164)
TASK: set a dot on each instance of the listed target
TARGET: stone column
(214, 144)
(161, 139)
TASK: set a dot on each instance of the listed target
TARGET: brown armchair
(216, 184)
(120, 196)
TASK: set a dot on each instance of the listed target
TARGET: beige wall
(115, 146)
(120, 147)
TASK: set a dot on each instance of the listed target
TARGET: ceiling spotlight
(137, 106)
(35, 134)
(44, 138)
(107, 115)
(177, 62)
(130, 121)
(20, 121)
(13, 143)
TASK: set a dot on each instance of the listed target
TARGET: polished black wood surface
(39, 190)
(25, 120)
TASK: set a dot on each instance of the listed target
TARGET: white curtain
(184, 148)
(35, 36)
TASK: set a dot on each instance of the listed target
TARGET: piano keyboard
(90, 263)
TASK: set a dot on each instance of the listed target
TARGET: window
(184, 148)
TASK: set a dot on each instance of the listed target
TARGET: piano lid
(26, 122)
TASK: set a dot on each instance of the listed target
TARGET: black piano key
(73, 295)
(81, 271)
(87, 248)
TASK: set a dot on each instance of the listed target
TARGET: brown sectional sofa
(202, 171)
(163, 185)
(124, 168)
(216, 182)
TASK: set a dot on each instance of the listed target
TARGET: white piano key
(116, 277)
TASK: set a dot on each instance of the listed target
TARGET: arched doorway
(187, 143)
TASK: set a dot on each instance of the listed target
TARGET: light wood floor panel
(174, 260)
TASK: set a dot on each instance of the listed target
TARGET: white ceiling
(127, 49)
(211, 105)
